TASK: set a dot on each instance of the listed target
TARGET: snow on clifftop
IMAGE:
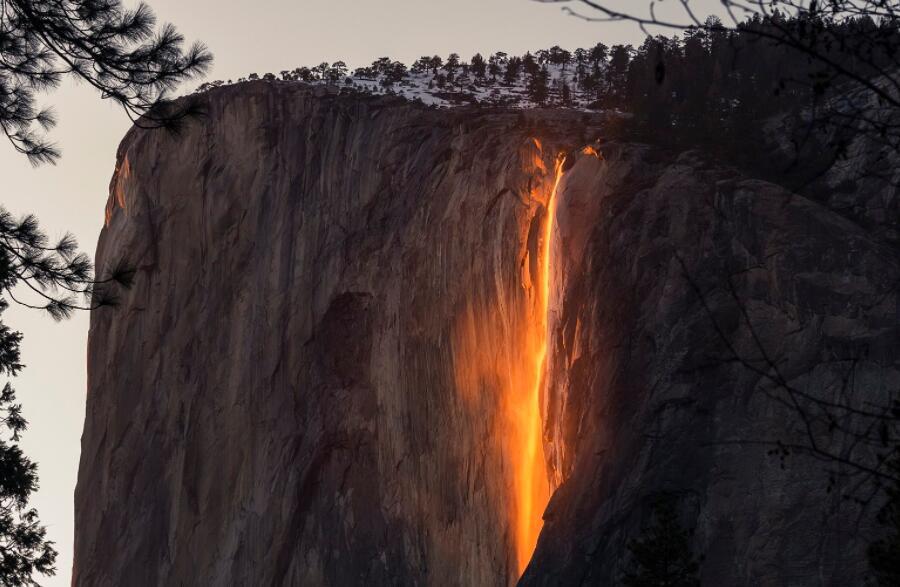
(553, 77)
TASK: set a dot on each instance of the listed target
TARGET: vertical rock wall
(695, 311)
(291, 393)
(315, 377)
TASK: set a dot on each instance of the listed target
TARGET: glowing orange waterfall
(499, 348)
(533, 487)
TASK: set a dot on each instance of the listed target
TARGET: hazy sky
(245, 37)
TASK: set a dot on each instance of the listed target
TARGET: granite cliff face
(700, 317)
(310, 380)
(322, 373)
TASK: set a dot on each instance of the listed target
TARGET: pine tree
(421, 65)
(565, 94)
(537, 87)
(305, 74)
(395, 73)
(529, 64)
(588, 83)
(112, 49)
(337, 72)
(513, 66)
(435, 64)
(559, 56)
(598, 53)
(479, 66)
(661, 556)
(617, 73)
(380, 66)
(23, 541)
(581, 55)
(496, 63)
(451, 65)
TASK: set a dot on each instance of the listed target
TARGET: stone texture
(302, 387)
(274, 401)
(671, 269)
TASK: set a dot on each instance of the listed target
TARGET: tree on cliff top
(661, 556)
(479, 66)
(839, 56)
(537, 86)
(119, 52)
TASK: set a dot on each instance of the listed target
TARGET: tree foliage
(833, 65)
(119, 52)
(56, 277)
(24, 547)
(537, 86)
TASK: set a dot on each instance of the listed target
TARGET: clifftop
(554, 77)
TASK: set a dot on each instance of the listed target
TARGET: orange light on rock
(499, 349)
(532, 484)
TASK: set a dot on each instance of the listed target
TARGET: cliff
(308, 381)
(701, 319)
(328, 370)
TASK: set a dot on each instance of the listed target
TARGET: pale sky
(245, 37)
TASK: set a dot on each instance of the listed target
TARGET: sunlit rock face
(693, 307)
(313, 379)
(322, 373)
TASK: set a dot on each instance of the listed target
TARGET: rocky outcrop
(314, 377)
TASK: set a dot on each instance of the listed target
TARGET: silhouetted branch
(119, 52)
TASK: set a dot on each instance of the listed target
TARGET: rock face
(315, 376)
(291, 392)
(701, 317)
